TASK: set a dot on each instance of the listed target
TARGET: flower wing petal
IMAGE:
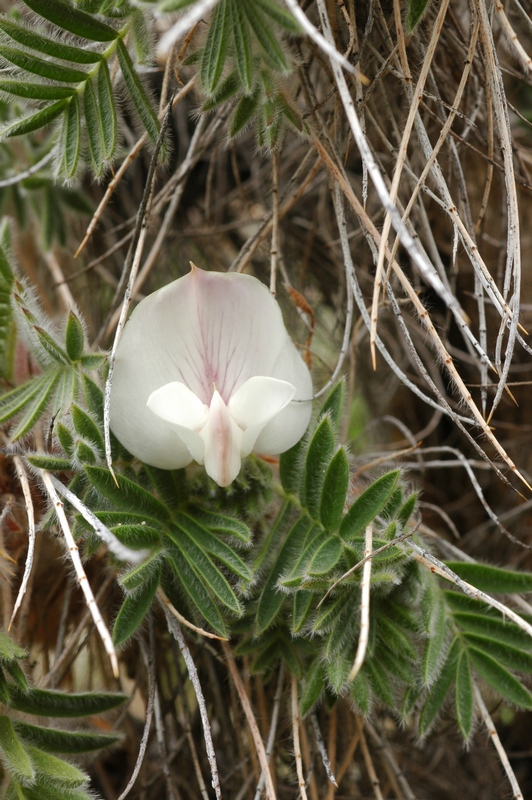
(178, 404)
(287, 427)
(255, 403)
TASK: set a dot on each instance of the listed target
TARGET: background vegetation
(370, 162)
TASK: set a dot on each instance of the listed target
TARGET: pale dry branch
(26, 491)
(296, 721)
(252, 722)
(175, 630)
(74, 556)
(148, 654)
(494, 736)
(363, 635)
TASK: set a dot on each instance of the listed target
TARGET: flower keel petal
(223, 442)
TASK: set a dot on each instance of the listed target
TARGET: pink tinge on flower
(205, 371)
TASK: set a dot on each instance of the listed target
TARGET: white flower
(206, 371)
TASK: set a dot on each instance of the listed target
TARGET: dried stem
(295, 735)
(252, 722)
(501, 752)
(175, 630)
(364, 606)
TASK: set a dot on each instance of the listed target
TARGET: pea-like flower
(205, 371)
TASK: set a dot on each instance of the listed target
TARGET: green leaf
(500, 679)
(280, 15)
(33, 122)
(54, 769)
(215, 50)
(139, 33)
(107, 111)
(299, 572)
(330, 611)
(17, 674)
(86, 427)
(72, 19)
(94, 128)
(39, 66)
(433, 607)
(463, 696)
(438, 691)
(380, 682)
(361, 693)
(277, 531)
(47, 46)
(51, 463)
(74, 337)
(143, 573)
(138, 537)
(128, 495)
(334, 492)
(9, 651)
(244, 112)
(228, 526)
(14, 401)
(338, 672)
(302, 605)
(207, 572)
(37, 406)
(44, 789)
(54, 740)
(36, 91)
(368, 505)
(223, 92)
(133, 611)
(12, 753)
(138, 93)
(334, 404)
(93, 396)
(92, 361)
(414, 11)
(214, 546)
(291, 464)
(492, 579)
(71, 140)
(267, 39)
(499, 630)
(312, 688)
(195, 589)
(407, 509)
(319, 456)
(242, 43)
(512, 657)
(50, 703)
(175, 5)
(326, 556)
(271, 599)
(50, 346)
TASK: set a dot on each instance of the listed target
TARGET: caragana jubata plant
(319, 572)
(338, 586)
